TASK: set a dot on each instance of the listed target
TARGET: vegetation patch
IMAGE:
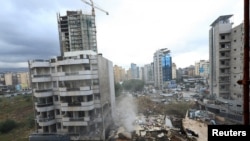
(16, 118)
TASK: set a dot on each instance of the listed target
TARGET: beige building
(202, 68)
(119, 74)
(23, 79)
(8, 78)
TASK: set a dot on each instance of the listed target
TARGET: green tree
(7, 125)
(118, 89)
(133, 85)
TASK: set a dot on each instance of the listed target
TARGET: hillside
(20, 110)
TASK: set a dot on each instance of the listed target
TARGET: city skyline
(131, 33)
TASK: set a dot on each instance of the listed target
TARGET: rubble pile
(147, 128)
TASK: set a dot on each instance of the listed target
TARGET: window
(222, 37)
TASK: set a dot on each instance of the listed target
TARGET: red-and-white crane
(91, 3)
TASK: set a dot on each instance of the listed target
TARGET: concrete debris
(153, 127)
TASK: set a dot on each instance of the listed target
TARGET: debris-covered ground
(141, 119)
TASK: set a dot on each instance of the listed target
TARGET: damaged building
(74, 92)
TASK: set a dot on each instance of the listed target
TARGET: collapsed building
(152, 127)
(73, 93)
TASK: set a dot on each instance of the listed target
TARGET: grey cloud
(28, 29)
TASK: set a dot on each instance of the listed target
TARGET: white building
(74, 93)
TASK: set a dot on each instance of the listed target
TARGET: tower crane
(91, 3)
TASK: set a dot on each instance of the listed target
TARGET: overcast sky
(131, 33)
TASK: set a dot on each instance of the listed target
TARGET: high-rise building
(149, 74)
(162, 68)
(77, 32)
(226, 58)
(174, 71)
(134, 71)
(74, 92)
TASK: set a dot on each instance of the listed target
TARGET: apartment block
(73, 93)
(226, 58)
(72, 96)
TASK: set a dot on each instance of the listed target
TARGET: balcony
(74, 121)
(224, 74)
(44, 107)
(226, 40)
(86, 107)
(46, 121)
(41, 78)
(43, 104)
(75, 91)
(77, 104)
(225, 49)
(81, 75)
(224, 66)
(73, 61)
(43, 93)
(224, 57)
(40, 63)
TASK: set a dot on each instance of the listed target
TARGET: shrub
(7, 125)
(30, 121)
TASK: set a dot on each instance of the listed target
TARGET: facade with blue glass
(166, 67)
(162, 68)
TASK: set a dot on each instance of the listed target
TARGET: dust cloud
(126, 112)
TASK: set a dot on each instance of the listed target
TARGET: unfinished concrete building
(77, 32)
(73, 93)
